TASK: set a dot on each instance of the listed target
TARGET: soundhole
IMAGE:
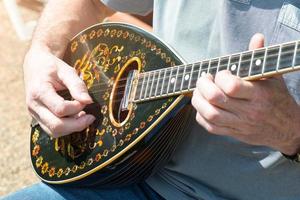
(118, 115)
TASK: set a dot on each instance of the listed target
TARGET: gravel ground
(15, 167)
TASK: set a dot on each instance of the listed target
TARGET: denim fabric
(43, 191)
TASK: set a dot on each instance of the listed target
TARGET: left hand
(257, 112)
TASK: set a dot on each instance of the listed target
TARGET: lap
(58, 192)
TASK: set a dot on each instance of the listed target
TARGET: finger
(210, 91)
(234, 86)
(58, 105)
(215, 129)
(212, 113)
(57, 127)
(72, 81)
(257, 41)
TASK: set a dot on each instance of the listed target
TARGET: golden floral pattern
(98, 157)
(59, 172)
(39, 161)
(35, 136)
(74, 46)
(36, 150)
(52, 171)
(104, 109)
(45, 167)
(106, 57)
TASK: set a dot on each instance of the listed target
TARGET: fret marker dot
(233, 67)
(187, 77)
(203, 73)
(173, 80)
(258, 62)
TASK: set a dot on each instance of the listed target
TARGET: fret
(195, 74)
(182, 77)
(213, 66)
(219, 62)
(199, 70)
(158, 83)
(245, 64)
(149, 82)
(251, 64)
(271, 59)
(138, 88)
(229, 61)
(239, 65)
(264, 62)
(287, 58)
(186, 78)
(141, 95)
(278, 59)
(294, 55)
(154, 83)
(172, 79)
(224, 62)
(204, 68)
(163, 82)
(209, 66)
(166, 81)
(234, 63)
(258, 57)
(191, 75)
(297, 56)
(176, 78)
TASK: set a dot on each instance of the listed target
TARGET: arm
(257, 112)
(144, 22)
(45, 73)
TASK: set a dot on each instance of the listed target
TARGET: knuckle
(29, 102)
(214, 97)
(198, 118)
(34, 94)
(212, 115)
(193, 101)
(60, 110)
(55, 127)
(211, 128)
(232, 87)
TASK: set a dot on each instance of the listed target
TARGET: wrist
(291, 138)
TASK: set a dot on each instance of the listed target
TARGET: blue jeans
(43, 191)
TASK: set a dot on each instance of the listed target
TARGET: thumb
(257, 41)
(75, 85)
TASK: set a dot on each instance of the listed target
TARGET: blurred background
(17, 19)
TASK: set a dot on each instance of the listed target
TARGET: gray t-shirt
(207, 166)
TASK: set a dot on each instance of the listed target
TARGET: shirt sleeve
(140, 7)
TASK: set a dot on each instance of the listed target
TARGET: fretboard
(249, 65)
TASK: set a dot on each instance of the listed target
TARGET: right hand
(44, 74)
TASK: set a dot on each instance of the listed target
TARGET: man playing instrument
(244, 134)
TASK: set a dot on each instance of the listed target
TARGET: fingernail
(81, 114)
(86, 97)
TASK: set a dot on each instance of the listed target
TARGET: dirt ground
(15, 167)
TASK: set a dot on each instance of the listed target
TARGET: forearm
(63, 19)
(139, 21)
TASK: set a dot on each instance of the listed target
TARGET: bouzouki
(140, 89)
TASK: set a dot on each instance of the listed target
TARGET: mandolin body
(120, 147)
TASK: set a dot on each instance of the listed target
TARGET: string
(179, 75)
(142, 75)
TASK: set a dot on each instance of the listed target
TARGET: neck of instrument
(249, 65)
